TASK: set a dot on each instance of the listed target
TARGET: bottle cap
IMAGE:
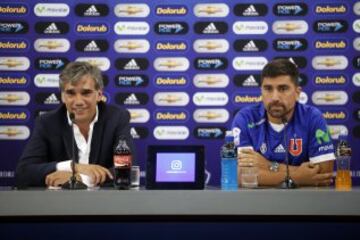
(343, 135)
(229, 136)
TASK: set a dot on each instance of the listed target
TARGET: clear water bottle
(122, 164)
(228, 154)
(343, 158)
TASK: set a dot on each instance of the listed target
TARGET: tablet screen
(175, 167)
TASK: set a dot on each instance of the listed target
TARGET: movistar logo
(322, 136)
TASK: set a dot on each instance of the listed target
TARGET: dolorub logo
(171, 10)
(14, 80)
(13, 9)
(171, 115)
(93, 27)
(14, 44)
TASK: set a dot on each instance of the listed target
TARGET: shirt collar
(93, 121)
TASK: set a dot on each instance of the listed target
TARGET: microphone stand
(73, 183)
(288, 183)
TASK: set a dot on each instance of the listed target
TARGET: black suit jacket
(51, 142)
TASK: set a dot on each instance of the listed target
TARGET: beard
(277, 110)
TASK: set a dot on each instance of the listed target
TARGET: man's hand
(58, 178)
(96, 172)
(308, 174)
(249, 157)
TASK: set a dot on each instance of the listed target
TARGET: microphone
(73, 183)
(288, 183)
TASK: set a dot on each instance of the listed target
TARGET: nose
(275, 97)
(78, 100)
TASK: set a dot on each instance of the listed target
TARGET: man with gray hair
(46, 160)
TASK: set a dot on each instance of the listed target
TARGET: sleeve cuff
(322, 158)
(64, 166)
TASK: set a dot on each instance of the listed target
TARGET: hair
(74, 71)
(281, 67)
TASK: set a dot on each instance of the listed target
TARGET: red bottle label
(122, 160)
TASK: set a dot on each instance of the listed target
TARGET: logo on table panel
(131, 28)
(215, 10)
(300, 62)
(211, 27)
(171, 116)
(137, 10)
(139, 132)
(173, 99)
(216, 80)
(171, 10)
(335, 130)
(356, 8)
(12, 115)
(330, 80)
(249, 63)
(8, 132)
(131, 46)
(131, 98)
(171, 28)
(250, 27)
(211, 115)
(13, 9)
(356, 79)
(171, 132)
(132, 64)
(12, 27)
(211, 46)
(250, 10)
(14, 63)
(247, 80)
(330, 9)
(329, 98)
(241, 98)
(89, 45)
(43, 80)
(329, 62)
(171, 64)
(92, 28)
(10, 98)
(332, 44)
(290, 27)
(14, 44)
(91, 10)
(250, 45)
(14, 80)
(335, 114)
(210, 132)
(139, 115)
(210, 99)
(290, 9)
(51, 63)
(356, 62)
(356, 44)
(47, 98)
(103, 63)
(287, 44)
(57, 45)
(131, 80)
(211, 63)
(169, 81)
(52, 28)
(51, 10)
(330, 26)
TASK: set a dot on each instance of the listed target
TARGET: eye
(87, 93)
(283, 88)
(70, 93)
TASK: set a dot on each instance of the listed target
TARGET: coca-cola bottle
(122, 164)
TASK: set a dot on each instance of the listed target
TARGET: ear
(298, 91)
(63, 97)
(99, 95)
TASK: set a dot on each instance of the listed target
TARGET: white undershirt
(277, 127)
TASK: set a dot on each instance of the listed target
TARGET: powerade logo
(211, 63)
(131, 80)
(247, 80)
(131, 98)
(171, 28)
(250, 10)
(300, 62)
(171, 81)
(330, 44)
(211, 27)
(91, 10)
(330, 8)
(92, 28)
(8, 115)
(250, 45)
(14, 44)
(171, 116)
(171, 10)
(330, 26)
(12, 27)
(89, 45)
(281, 44)
(132, 64)
(337, 79)
(290, 9)
(14, 80)
(51, 63)
(52, 28)
(13, 9)
(209, 132)
(171, 46)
